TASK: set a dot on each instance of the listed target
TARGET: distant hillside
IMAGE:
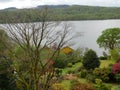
(53, 6)
(60, 12)
(10, 8)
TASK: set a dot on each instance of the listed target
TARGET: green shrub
(102, 58)
(61, 61)
(90, 60)
(117, 76)
(75, 56)
(71, 71)
(69, 64)
(80, 68)
(102, 73)
(114, 54)
(91, 78)
(98, 81)
(83, 73)
(99, 85)
(58, 72)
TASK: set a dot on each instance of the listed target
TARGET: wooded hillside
(61, 12)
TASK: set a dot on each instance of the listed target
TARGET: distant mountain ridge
(10, 8)
(39, 7)
(56, 6)
(53, 6)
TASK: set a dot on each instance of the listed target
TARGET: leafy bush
(58, 72)
(102, 73)
(116, 71)
(77, 55)
(69, 64)
(64, 60)
(90, 60)
(98, 81)
(114, 54)
(116, 68)
(61, 61)
(71, 71)
(91, 78)
(117, 76)
(80, 68)
(99, 85)
(73, 57)
(83, 73)
(67, 57)
(102, 58)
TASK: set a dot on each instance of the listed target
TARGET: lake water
(91, 31)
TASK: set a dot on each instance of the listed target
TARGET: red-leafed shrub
(116, 68)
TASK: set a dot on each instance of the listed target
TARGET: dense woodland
(61, 12)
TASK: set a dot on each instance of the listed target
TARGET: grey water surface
(91, 30)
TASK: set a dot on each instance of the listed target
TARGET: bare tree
(34, 38)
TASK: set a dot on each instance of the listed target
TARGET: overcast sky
(33, 3)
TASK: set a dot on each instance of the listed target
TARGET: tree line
(65, 13)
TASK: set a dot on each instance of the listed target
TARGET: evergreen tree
(90, 60)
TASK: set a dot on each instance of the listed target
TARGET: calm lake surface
(91, 31)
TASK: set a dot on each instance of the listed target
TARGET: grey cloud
(7, 3)
(93, 2)
(5, 0)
